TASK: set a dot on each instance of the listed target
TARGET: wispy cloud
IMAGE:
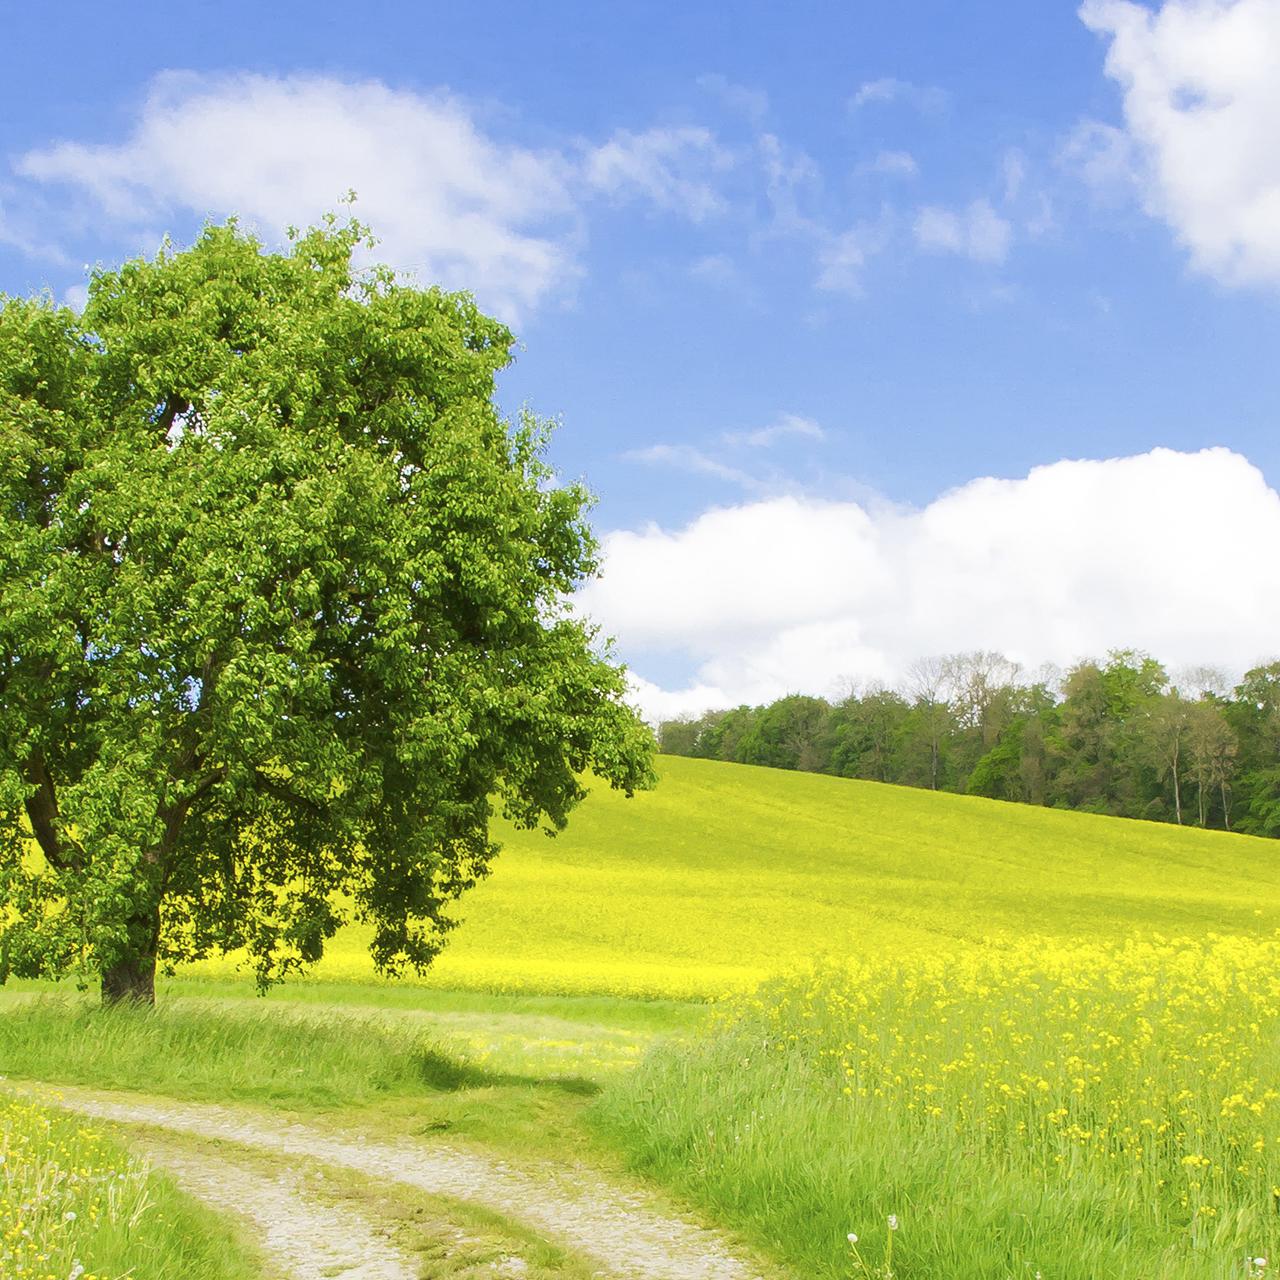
(787, 425)
(900, 164)
(976, 231)
(739, 98)
(673, 168)
(926, 98)
(451, 202)
(685, 457)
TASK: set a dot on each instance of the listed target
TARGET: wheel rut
(302, 1237)
(625, 1233)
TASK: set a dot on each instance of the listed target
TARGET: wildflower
(893, 1222)
(853, 1237)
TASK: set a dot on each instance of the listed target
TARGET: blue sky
(808, 268)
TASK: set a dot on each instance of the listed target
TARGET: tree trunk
(131, 978)
(130, 981)
(1177, 792)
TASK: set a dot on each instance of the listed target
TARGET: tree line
(1117, 737)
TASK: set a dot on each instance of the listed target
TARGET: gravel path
(622, 1231)
(302, 1237)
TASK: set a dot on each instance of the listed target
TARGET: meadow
(76, 1206)
(1039, 1043)
(725, 874)
(1074, 1111)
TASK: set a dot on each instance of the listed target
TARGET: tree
(1254, 714)
(928, 682)
(1165, 725)
(866, 734)
(1211, 748)
(283, 616)
(787, 734)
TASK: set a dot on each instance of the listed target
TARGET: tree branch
(275, 788)
(173, 406)
(42, 810)
(176, 814)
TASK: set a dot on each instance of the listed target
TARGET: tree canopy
(1119, 737)
(283, 615)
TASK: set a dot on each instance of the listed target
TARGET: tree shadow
(445, 1074)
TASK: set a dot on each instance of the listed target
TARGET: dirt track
(624, 1233)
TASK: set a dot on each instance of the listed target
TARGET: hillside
(726, 872)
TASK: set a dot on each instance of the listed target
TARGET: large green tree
(283, 615)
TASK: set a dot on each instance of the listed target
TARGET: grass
(75, 1206)
(1072, 1112)
(727, 873)
(380, 1068)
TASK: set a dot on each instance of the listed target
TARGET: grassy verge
(1066, 1112)
(73, 1205)
(513, 1073)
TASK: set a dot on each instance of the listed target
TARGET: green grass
(513, 1080)
(74, 1204)
(1076, 1112)
(726, 873)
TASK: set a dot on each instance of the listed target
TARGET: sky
(879, 331)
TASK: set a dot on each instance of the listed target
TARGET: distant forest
(1116, 737)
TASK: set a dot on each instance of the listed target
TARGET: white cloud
(788, 594)
(787, 425)
(685, 457)
(75, 296)
(890, 89)
(1105, 157)
(976, 232)
(843, 256)
(672, 168)
(898, 164)
(1013, 167)
(449, 202)
(1201, 105)
(716, 269)
(29, 235)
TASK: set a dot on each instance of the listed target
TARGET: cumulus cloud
(1201, 103)
(789, 594)
(976, 231)
(449, 202)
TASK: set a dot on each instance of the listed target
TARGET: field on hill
(991, 1041)
(726, 873)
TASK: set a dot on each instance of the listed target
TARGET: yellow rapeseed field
(1076, 1111)
(727, 873)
